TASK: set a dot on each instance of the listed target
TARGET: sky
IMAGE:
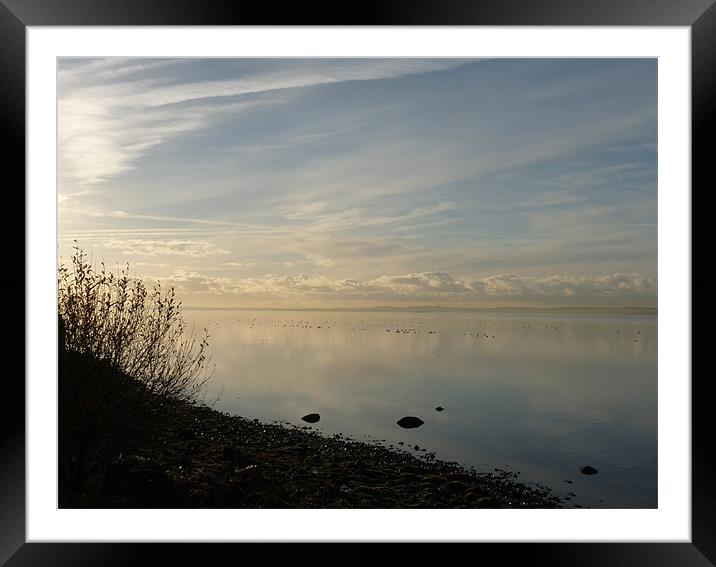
(365, 182)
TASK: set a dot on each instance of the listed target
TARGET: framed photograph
(421, 276)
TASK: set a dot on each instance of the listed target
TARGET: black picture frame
(17, 15)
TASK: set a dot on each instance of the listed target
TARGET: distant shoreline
(443, 309)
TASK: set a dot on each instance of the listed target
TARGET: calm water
(536, 393)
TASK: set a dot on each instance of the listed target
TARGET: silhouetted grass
(124, 353)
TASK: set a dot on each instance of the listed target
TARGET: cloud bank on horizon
(338, 182)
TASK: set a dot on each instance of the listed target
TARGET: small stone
(311, 418)
(410, 422)
(588, 470)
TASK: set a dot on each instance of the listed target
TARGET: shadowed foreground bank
(189, 456)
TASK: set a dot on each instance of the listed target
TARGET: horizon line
(436, 308)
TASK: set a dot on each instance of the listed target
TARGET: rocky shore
(196, 457)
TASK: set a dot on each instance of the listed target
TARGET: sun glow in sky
(365, 182)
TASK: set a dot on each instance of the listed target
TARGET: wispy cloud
(102, 137)
(192, 248)
(104, 128)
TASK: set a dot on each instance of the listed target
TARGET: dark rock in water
(588, 470)
(410, 422)
(439, 408)
(311, 417)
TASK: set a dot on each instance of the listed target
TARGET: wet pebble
(410, 422)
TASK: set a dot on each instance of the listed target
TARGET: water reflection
(538, 394)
